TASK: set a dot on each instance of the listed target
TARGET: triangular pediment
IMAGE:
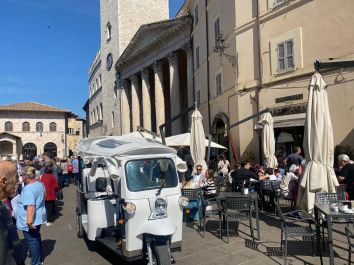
(8, 135)
(148, 33)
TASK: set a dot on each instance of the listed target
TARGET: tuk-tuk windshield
(150, 174)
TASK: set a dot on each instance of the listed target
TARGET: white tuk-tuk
(129, 197)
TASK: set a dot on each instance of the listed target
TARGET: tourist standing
(75, 164)
(346, 174)
(9, 241)
(51, 187)
(294, 159)
(31, 214)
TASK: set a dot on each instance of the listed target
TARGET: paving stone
(62, 247)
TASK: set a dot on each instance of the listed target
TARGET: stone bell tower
(120, 20)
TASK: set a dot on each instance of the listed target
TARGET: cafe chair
(236, 209)
(195, 202)
(328, 198)
(211, 208)
(291, 227)
(349, 232)
(270, 189)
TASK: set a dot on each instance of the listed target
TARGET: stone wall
(37, 138)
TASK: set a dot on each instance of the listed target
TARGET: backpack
(70, 167)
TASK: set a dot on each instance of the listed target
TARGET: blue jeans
(33, 239)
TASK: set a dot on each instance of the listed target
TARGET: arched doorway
(220, 135)
(29, 151)
(51, 149)
(6, 148)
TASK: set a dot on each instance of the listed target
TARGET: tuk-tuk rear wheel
(80, 228)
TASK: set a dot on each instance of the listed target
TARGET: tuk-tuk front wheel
(162, 254)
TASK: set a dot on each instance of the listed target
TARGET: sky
(46, 48)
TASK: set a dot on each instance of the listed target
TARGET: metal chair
(195, 195)
(291, 228)
(210, 208)
(328, 198)
(236, 209)
(269, 188)
(341, 192)
(349, 232)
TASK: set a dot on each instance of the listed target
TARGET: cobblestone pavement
(62, 247)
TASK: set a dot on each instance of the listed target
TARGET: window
(217, 31)
(198, 97)
(100, 81)
(94, 115)
(52, 127)
(101, 111)
(8, 126)
(39, 127)
(98, 113)
(77, 133)
(96, 85)
(218, 84)
(109, 31)
(196, 14)
(285, 56)
(150, 174)
(70, 131)
(112, 119)
(278, 2)
(197, 57)
(26, 126)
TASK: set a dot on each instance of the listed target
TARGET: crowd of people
(250, 177)
(29, 190)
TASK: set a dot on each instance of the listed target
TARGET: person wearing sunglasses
(199, 177)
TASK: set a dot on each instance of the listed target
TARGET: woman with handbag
(51, 188)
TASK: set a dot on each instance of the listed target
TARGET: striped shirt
(209, 187)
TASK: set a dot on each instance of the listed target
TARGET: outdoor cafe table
(254, 198)
(329, 214)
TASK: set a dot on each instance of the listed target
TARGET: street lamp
(220, 48)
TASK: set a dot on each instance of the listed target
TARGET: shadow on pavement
(47, 247)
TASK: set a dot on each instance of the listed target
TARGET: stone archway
(51, 149)
(6, 148)
(29, 151)
(220, 135)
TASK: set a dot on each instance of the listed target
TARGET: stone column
(175, 93)
(189, 54)
(135, 102)
(159, 95)
(146, 99)
(125, 108)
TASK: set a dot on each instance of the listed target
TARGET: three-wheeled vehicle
(129, 197)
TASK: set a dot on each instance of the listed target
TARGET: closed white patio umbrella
(197, 140)
(318, 146)
(268, 140)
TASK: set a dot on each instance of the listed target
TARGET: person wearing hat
(346, 174)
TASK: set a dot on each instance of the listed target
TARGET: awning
(292, 120)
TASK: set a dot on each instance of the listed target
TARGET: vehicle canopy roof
(108, 146)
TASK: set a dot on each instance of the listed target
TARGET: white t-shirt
(197, 179)
(223, 166)
(273, 177)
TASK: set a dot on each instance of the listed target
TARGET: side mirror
(181, 165)
(113, 168)
(93, 168)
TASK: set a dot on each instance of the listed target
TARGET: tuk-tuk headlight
(183, 201)
(160, 205)
(129, 207)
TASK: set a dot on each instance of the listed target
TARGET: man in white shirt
(199, 177)
(223, 165)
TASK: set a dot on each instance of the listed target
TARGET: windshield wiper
(163, 184)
